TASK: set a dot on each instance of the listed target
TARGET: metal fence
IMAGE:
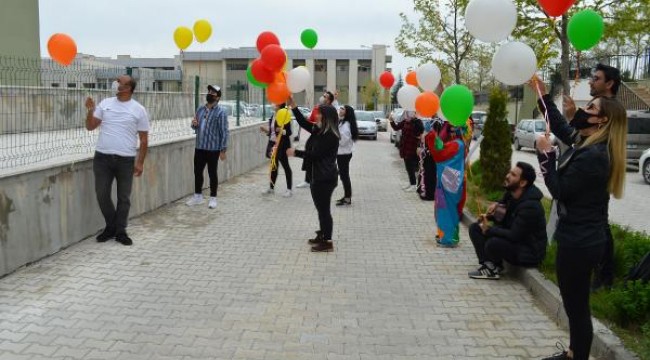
(42, 112)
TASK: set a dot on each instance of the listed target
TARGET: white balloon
(514, 63)
(298, 79)
(406, 97)
(428, 76)
(491, 20)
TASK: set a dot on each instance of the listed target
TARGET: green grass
(624, 308)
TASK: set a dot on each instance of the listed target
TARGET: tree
(548, 36)
(441, 31)
(496, 149)
(370, 94)
(393, 91)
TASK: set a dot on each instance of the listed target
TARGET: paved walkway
(240, 283)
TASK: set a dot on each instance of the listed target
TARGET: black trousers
(574, 267)
(106, 169)
(343, 162)
(284, 160)
(493, 249)
(202, 158)
(412, 165)
(321, 194)
(604, 274)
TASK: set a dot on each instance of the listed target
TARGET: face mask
(321, 100)
(115, 87)
(210, 98)
(580, 120)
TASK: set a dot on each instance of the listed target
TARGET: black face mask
(580, 120)
(210, 98)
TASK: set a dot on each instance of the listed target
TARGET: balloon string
(539, 93)
(421, 172)
(274, 164)
(577, 77)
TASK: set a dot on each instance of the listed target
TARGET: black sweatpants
(412, 165)
(284, 160)
(343, 162)
(321, 194)
(493, 249)
(574, 267)
(107, 168)
(201, 158)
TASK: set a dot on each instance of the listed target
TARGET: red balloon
(266, 38)
(261, 73)
(411, 78)
(386, 79)
(273, 57)
(427, 104)
(556, 7)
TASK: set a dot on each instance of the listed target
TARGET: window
(529, 126)
(540, 126)
(299, 62)
(319, 89)
(638, 125)
(72, 85)
(237, 66)
(319, 67)
(55, 85)
(89, 85)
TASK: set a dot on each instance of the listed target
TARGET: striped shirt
(212, 132)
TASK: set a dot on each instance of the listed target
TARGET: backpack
(641, 271)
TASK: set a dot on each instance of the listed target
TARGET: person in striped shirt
(211, 126)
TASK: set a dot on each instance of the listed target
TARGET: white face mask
(115, 87)
(321, 100)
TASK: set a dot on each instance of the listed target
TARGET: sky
(144, 28)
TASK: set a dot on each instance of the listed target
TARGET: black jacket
(285, 141)
(321, 152)
(525, 224)
(578, 181)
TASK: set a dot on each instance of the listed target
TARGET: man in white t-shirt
(121, 121)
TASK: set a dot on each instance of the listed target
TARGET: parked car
(381, 120)
(366, 124)
(638, 135)
(478, 117)
(244, 110)
(395, 136)
(527, 131)
(644, 165)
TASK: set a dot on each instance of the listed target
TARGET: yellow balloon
(202, 30)
(283, 117)
(183, 37)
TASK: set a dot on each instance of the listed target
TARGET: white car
(644, 165)
(366, 124)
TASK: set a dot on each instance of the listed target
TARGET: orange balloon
(278, 92)
(427, 104)
(62, 49)
(411, 78)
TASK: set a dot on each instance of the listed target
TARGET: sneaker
(325, 246)
(406, 186)
(287, 194)
(124, 239)
(562, 355)
(213, 203)
(106, 235)
(196, 199)
(484, 272)
(268, 191)
(411, 188)
(343, 201)
(303, 184)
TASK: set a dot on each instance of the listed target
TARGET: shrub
(496, 149)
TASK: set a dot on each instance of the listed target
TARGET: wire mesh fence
(42, 112)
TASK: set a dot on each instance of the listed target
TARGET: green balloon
(457, 103)
(252, 80)
(309, 38)
(585, 29)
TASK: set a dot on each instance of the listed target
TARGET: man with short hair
(121, 121)
(211, 125)
(519, 233)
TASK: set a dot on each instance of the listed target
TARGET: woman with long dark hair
(349, 134)
(581, 181)
(324, 174)
(277, 133)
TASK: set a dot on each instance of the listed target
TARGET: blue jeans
(108, 168)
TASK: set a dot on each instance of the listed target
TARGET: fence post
(196, 92)
(238, 99)
(263, 105)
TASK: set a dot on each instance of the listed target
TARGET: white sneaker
(213, 203)
(268, 191)
(303, 184)
(408, 185)
(288, 194)
(411, 188)
(196, 199)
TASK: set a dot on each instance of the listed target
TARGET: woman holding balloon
(279, 133)
(322, 155)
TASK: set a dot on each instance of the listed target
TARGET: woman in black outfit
(349, 133)
(581, 181)
(273, 130)
(324, 174)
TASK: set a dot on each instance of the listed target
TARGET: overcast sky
(144, 28)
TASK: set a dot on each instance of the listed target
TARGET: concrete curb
(606, 345)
